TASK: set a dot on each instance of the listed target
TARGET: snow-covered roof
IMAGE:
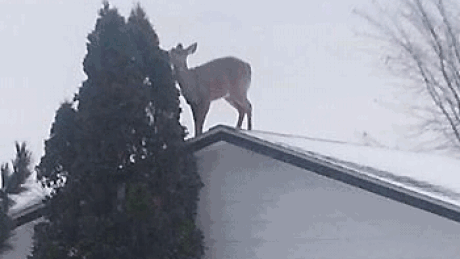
(433, 175)
(28, 200)
(428, 181)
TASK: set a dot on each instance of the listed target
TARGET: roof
(425, 181)
(28, 205)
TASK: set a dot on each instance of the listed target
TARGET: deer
(228, 78)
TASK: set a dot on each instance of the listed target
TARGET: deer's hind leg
(249, 114)
(240, 110)
(243, 108)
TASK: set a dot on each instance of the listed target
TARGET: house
(276, 196)
(271, 195)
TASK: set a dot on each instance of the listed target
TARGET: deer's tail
(248, 75)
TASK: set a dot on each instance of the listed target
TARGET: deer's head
(178, 55)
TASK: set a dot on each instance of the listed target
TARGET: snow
(433, 175)
(34, 194)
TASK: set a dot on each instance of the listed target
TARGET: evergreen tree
(125, 185)
(12, 182)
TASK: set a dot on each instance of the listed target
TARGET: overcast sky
(310, 74)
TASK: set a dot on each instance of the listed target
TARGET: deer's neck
(188, 82)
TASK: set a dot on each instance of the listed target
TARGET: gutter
(28, 214)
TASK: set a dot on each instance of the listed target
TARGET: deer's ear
(192, 48)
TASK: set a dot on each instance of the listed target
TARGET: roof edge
(28, 214)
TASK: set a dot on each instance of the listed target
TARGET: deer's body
(227, 78)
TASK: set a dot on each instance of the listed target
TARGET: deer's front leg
(199, 114)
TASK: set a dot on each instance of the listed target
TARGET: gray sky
(310, 74)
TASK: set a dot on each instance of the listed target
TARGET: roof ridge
(313, 138)
(289, 135)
